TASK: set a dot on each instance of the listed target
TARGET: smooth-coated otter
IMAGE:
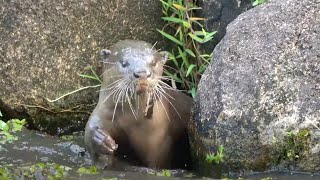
(137, 111)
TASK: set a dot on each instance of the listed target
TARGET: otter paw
(104, 141)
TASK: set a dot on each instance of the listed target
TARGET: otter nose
(142, 74)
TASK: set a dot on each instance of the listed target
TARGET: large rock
(259, 98)
(219, 13)
(45, 44)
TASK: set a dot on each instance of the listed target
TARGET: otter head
(139, 66)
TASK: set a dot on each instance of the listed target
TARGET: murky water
(34, 147)
(285, 176)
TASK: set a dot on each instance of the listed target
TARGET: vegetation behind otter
(185, 30)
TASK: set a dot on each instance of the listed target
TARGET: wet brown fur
(157, 135)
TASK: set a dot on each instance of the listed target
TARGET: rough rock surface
(45, 44)
(259, 98)
(219, 13)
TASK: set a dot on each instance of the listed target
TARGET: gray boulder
(45, 44)
(219, 13)
(259, 98)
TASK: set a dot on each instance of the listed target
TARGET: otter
(137, 113)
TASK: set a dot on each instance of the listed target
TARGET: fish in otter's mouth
(142, 86)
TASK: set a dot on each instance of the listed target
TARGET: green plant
(297, 143)
(110, 178)
(93, 76)
(49, 171)
(165, 173)
(258, 2)
(267, 178)
(7, 128)
(187, 60)
(4, 173)
(294, 145)
(67, 137)
(90, 170)
(212, 158)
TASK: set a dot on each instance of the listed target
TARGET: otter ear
(104, 53)
(164, 56)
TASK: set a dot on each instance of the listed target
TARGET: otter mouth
(142, 86)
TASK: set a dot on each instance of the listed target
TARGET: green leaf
(179, 7)
(180, 34)
(209, 36)
(95, 75)
(58, 175)
(164, 3)
(170, 37)
(212, 158)
(172, 19)
(164, 12)
(220, 150)
(173, 76)
(4, 126)
(41, 165)
(211, 33)
(88, 76)
(207, 39)
(198, 33)
(258, 2)
(9, 137)
(186, 24)
(18, 121)
(204, 32)
(202, 69)
(190, 52)
(22, 121)
(16, 127)
(67, 137)
(173, 58)
(193, 92)
(183, 56)
(205, 56)
(91, 170)
(196, 38)
(198, 23)
(190, 69)
(17, 124)
(165, 173)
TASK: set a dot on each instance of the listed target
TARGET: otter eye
(124, 63)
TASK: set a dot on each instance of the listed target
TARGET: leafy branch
(187, 33)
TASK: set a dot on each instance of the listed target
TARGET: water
(285, 176)
(34, 147)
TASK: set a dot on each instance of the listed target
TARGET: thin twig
(72, 92)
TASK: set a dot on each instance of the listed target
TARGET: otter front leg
(98, 138)
(104, 140)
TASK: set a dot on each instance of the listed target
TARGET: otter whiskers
(122, 91)
(117, 91)
(127, 94)
(159, 89)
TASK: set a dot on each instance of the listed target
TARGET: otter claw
(105, 141)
